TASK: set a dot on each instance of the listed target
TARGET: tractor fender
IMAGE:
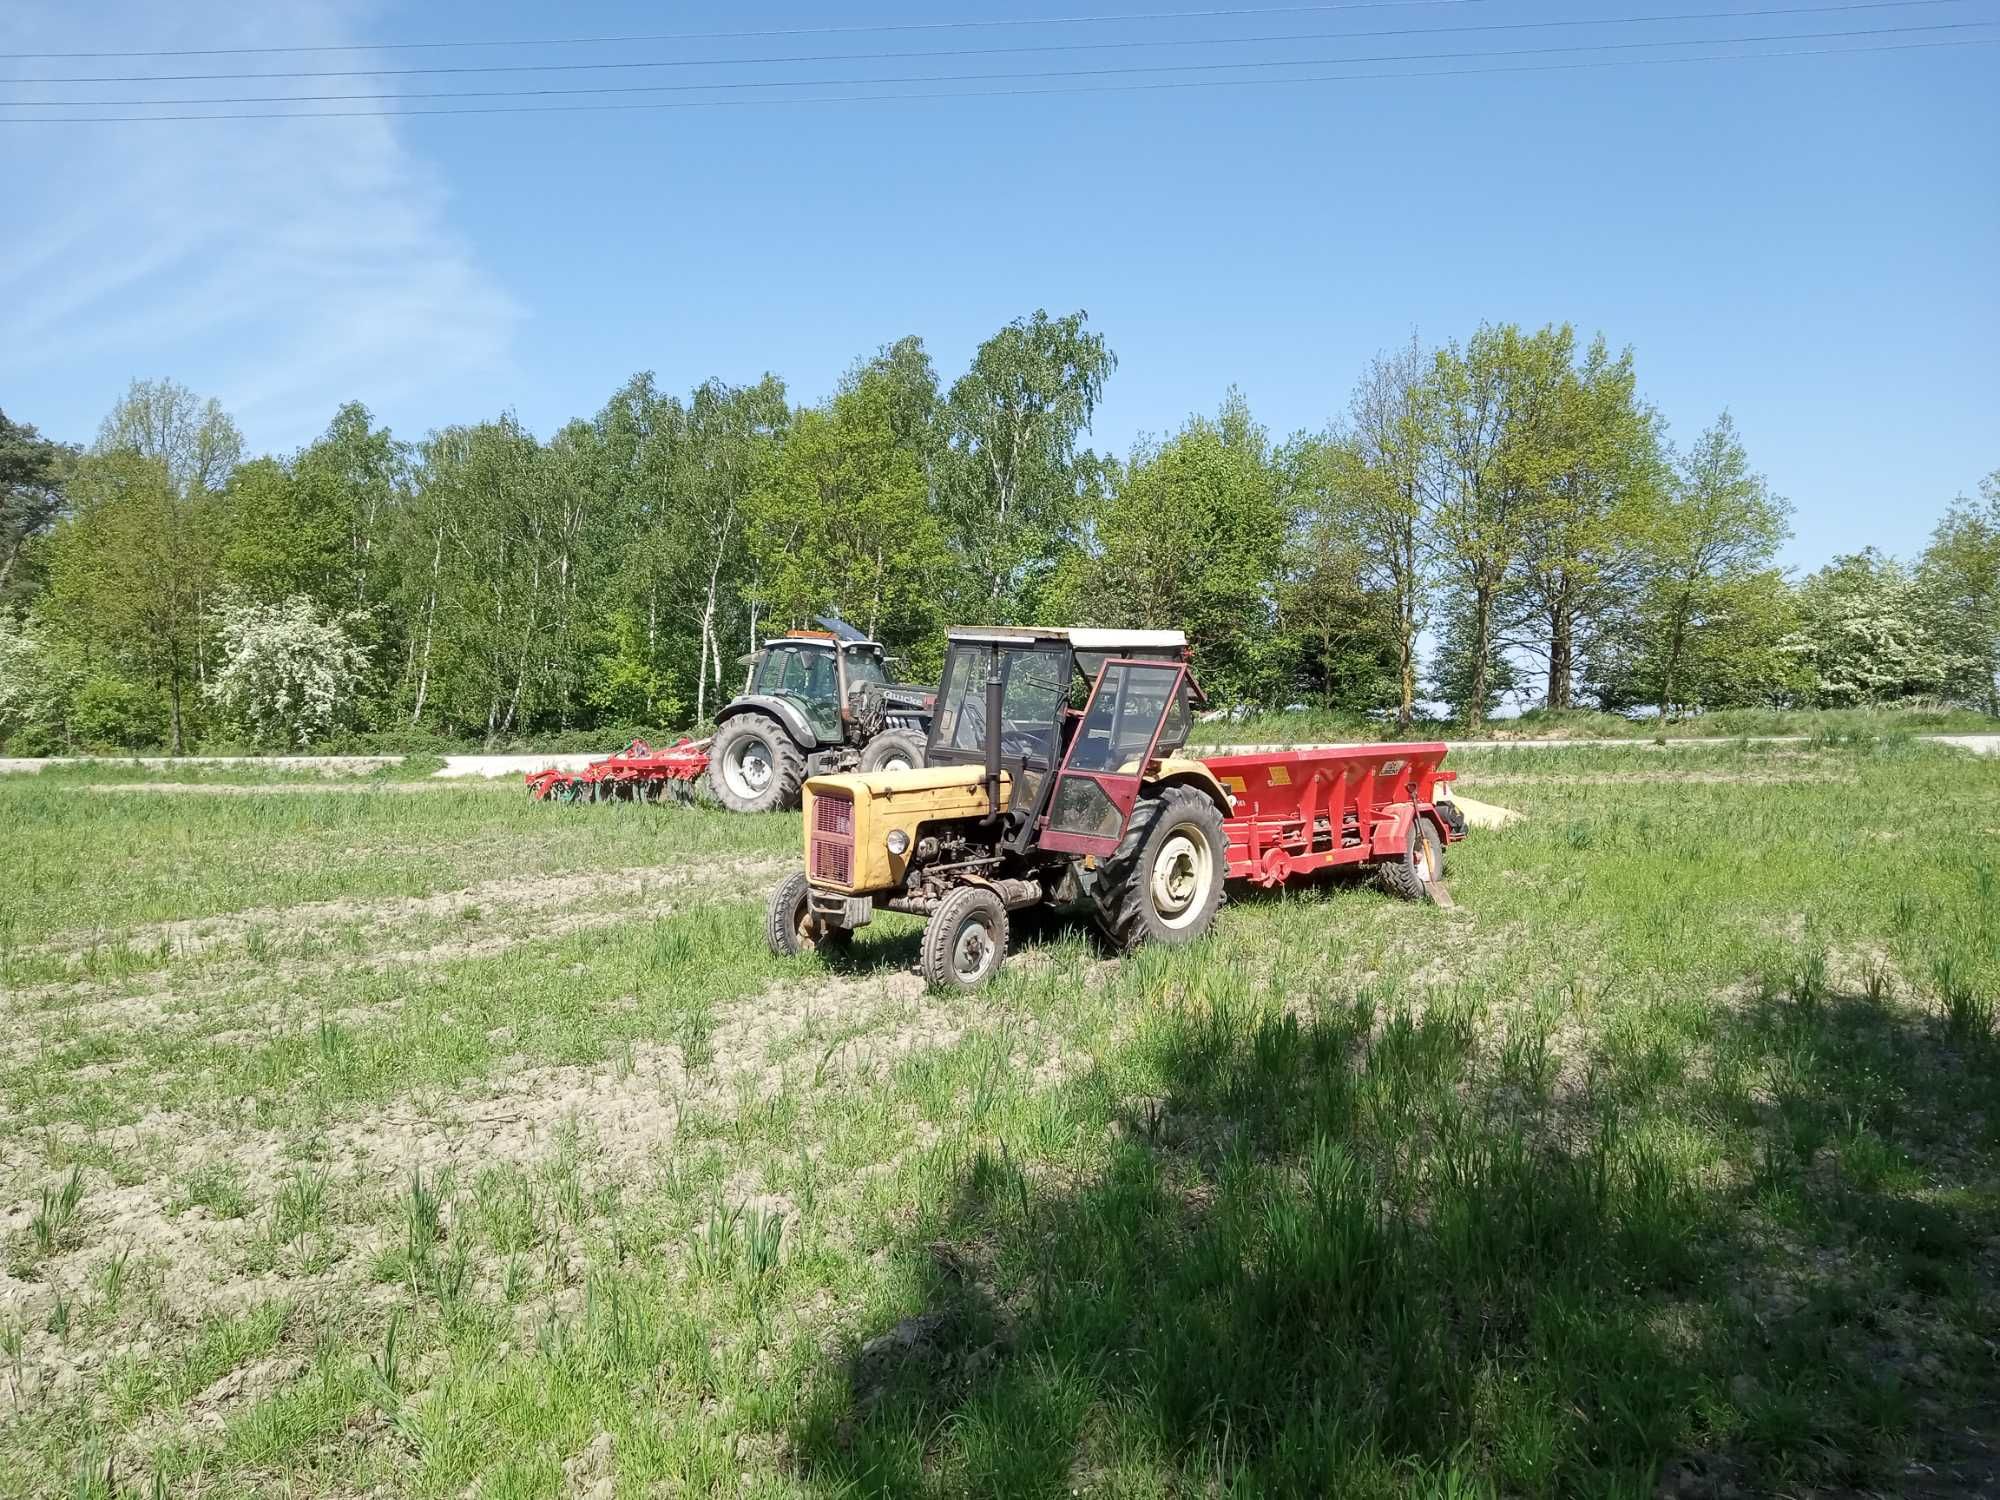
(1392, 830)
(1174, 771)
(788, 716)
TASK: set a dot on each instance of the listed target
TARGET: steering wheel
(1021, 745)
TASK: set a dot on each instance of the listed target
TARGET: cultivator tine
(638, 773)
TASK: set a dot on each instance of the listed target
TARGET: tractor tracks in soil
(215, 961)
(514, 893)
(616, 1122)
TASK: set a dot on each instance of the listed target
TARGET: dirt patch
(619, 1114)
(280, 788)
(613, 1120)
(1659, 777)
(193, 935)
(49, 1015)
(1484, 814)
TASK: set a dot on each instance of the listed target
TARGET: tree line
(1503, 518)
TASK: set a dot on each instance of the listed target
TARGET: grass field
(388, 1138)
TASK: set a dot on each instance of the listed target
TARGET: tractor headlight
(898, 842)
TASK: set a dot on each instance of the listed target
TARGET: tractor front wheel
(1164, 883)
(789, 924)
(893, 750)
(964, 940)
(754, 766)
(1415, 873)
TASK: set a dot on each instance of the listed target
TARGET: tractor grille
(832, 840)
(833, 815)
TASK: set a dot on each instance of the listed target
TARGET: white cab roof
(1082, 639)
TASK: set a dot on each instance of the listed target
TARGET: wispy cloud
(284, 267)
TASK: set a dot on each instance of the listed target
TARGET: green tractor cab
(814, 702)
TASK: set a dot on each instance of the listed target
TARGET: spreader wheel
(1164, 882)
(755, 767)
(964, 940)
(789, 925)
(1415, 873)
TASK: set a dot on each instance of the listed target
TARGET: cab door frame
(1118, 787)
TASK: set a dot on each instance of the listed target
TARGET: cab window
(798, 671)
(1123, 716)
(1036, 682)
(864, 664)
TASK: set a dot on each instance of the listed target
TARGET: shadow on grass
(1360, 1254)
(893, 939)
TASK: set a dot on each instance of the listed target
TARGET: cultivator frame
(638, 773)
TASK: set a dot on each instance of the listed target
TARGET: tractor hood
(927, 780)
(848, 820)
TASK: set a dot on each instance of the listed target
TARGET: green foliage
(1579, 558)
(1494, 412)
(131, 573)
(1508, 506)
(1472, 686)
(1709, 613)
(840, 521)
(1959, 581)
(1364, 544)
(193, 440)
(1018, 481)
(1194, 534)
(1867, 635)
(33, 473)
(114, 713)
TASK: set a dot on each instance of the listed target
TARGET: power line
(923, 78)
(1110, 88)
(731, 36)
(1124, 45)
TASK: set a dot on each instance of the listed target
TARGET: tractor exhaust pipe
(993, 741)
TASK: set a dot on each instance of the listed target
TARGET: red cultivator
(638, 773)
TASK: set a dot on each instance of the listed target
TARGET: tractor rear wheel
(789, 924)
(1164, 882)
(754, 766)
(893, 750)
(964, 940)
(1415, 872)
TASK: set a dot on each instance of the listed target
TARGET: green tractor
(815, 702)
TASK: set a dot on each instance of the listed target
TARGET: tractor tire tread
(788, 770)
(781, 921)
(1123, 906)
(909, 743)
(1399, 875)
(934, 959)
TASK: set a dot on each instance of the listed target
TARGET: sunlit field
(383, 1137)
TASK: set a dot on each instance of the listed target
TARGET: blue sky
(1811, 242)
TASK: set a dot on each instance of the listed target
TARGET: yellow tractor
(1051, 777)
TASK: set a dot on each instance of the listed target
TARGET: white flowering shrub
(37, 681)
(288, 675)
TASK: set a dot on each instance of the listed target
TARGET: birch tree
(1019, 475)
(1960, 580)
(132, 571)
(1578, 550)
(1490, 414)
(1366, 506)
(33, 472)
